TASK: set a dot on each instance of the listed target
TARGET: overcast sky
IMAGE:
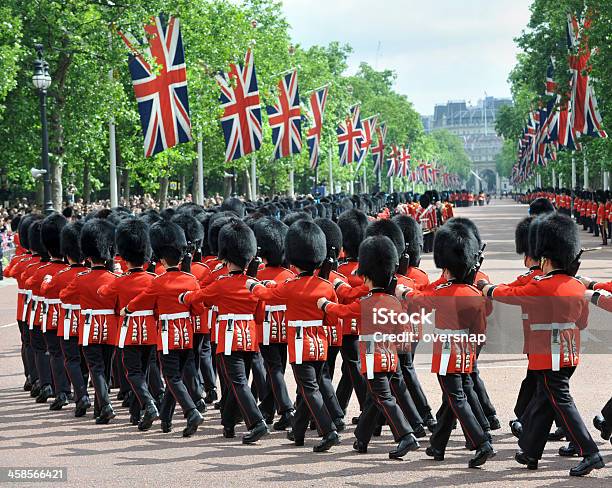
(440, 49)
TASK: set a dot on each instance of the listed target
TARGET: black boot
(516, 428)
(35, 390)
(494, 422)
(285, 421)
(430, 422)
(360, 446)
(166, 426)
(201, 405)
(82, 406)
(106, 415)
(568, 451)
(406, 444)
(211, 397)
(329, 440)
(602, 426)
(194, 420)
(135, 418)
(299, 441)
(256, 433)
(522, 458)
(27, 386)
(377, 431)
(436, 454)
(61, 400)
(588, 464)
(484, 452)
(151, 414)
(419, 431)
(557, 435)
(127, 399)
(355, 420)
(228, 432)
(339, 423)
(45, 393)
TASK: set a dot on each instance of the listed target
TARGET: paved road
(30, 435)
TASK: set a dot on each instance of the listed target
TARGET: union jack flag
(551, 86)
(369, 127)
(378, 151)
(350, 136)
(404, 162)
(241, 119)
(392, 161)
(160, 89)
(318, 99)
(285, 118)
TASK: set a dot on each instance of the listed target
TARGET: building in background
(475, 125)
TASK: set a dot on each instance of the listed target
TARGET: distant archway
(489, 180)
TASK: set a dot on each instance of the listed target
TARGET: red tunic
(200, 322)
(273, 328)
(51, 304)
(68, 323)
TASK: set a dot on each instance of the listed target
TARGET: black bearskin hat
(270, 234)
(237, 243)
(24, 226)
(378, 259)
(557, 239)
(98, 240)
(52, 226)
(456, 249)
(305, 245)
(168, 241)
(541, 205)
(413, 237)
(424, 200)
(532, 236)
(214, 227)
(521, 236)
(35, 238)
(15, 223)
(194, 232)
(333, 234)
(132, 241)
(468, 224)
(70, 239)
(150, 216)
(234, 205)
(293, 217)
(353, 224)
(386, 227)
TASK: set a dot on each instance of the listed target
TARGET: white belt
(68, 318)
(141, 313)
(305, 323)
(451, 332)
(37, 298)
(276, 308)
(68, 306)
(89, 313)
(174, 316)
(124, 327)
(22, 291)
(53, 301)
(229, 320)
(237, 316)
(557, 326)
(105, 311)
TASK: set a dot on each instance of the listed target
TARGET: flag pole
(291, 180)
(200, 194)
(317, 89)
(331, 170)
(253, 176)
(112, 148)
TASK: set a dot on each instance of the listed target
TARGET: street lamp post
(41, 81)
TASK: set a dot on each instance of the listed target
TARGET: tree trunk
(246, 185)
(125, 183)
(163, 192)
(195, 188)
(57, 124)
(86, 182)
(183, 184)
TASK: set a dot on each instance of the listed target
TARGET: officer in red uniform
(460, 312)
(98, 319)
(353, 224)
(50, 233)
(554, 343)
(378, 260)
(307, 339)
(15, 270)
(68, 321)
(270, 234)
(174, 322)
(32, 278)
(138, 332)
(237, 340)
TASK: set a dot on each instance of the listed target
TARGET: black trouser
(412, 383)
(455, 405)
(119, 375)
(352, 373)
(259, 385)
(329, 395)
(27, 351)
(527, 392)
(72, 362)
(234, 369)
(56, 359)
(553, 398)
(481, 391)
(332, 354)
(172, 369)
(404, 400)
(136, 360)
(191, 373)
(207, 365)
(41, 358)
(311, 402)
(428, 242)
(380, 400)
(275, 362)
(156, 384)
(606, 411)
(99, 360)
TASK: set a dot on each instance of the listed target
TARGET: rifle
(573, 267)
(404, 261)
(328, 264)
(470, 276)
(253, 267)
(392, 286)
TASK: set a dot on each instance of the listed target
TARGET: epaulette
(82, 273)
(441, 286)
(218, 267)
(542, 277)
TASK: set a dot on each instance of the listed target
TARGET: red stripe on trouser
(312, 412)
(391, 424)
(556, 407)
(465, 431)
(229, 380)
